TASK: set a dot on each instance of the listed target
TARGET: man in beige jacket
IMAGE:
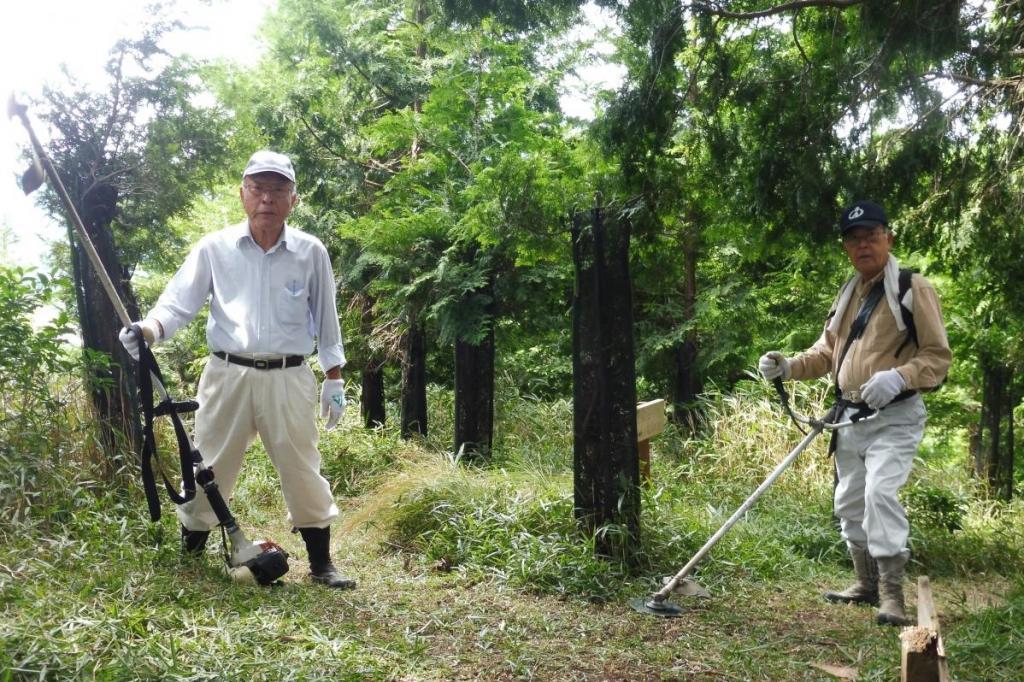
(884, 369)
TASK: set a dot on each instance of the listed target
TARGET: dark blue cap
(862, 213)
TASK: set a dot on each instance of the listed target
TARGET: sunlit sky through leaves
(37, 37)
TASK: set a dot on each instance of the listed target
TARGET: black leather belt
(862, 411)
(899, 398)
(276, 363)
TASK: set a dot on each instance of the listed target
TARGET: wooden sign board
(650, 419)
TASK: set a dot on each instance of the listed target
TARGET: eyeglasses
(872, 237)
(277, 192)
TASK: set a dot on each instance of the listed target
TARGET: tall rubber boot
(890, 588)
(193, 542)
(321, 570)
(865, 590)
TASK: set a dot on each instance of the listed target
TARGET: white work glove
(150, 331)
(881, 388)
(773, 365)
(332, 401)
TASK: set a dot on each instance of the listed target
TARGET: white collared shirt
(261, 302)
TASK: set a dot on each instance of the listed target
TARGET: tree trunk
(1008, 460)
(474, 396)
(414, 382)
(606, 469)
(113, 387)
(994, 460)
(371, 405)
(688, 384)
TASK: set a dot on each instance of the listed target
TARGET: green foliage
(991, 644)
(937, 507)
(494, 528)
(517, 15)
(523, 577)
(513, 520)
(38, 399)
(136, 151)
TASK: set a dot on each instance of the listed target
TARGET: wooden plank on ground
(923, 656)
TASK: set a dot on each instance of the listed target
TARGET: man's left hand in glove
(332, 401)
(881, 388)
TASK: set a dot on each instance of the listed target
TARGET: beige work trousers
(238, 403)
(873, 460)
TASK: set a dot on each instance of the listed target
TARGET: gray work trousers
(873, 460)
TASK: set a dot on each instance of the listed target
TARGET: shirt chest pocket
(292, 302)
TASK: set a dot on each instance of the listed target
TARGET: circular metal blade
(665, 609)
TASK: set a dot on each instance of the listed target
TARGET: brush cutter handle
(824, 422)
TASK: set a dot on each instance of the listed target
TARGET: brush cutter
(262, 562)
(657, 604)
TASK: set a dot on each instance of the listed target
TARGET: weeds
(480, 571)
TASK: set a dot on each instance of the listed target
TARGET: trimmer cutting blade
(653, 607)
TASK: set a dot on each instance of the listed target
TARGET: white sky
(37, 36)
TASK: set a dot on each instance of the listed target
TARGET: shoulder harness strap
(906, 277)
(187, 456)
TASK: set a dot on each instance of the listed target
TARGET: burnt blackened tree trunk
(371, 404)
(993, 461)
(606, 469)
(474, 394)
(688, 384)
(414, 381)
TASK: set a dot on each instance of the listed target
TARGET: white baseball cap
(266, 161)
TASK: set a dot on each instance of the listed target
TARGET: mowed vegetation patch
(478, 572)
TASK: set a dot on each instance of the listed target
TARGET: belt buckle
(261, 364)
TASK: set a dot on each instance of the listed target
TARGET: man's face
(267, 198)
(868, 248)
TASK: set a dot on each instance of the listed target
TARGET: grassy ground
(473, 573)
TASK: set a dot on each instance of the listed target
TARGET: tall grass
(459, 561)
(513, 519)
(48, 446)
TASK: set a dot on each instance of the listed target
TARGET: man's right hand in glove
(773, 365)
(151, 330)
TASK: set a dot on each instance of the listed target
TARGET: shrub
(42, 433)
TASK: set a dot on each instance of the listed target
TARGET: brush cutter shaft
(21, 112)
(713, 540)
(15, 109)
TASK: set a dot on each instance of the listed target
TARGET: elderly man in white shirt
(271, 292)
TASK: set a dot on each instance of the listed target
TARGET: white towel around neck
(892, 287)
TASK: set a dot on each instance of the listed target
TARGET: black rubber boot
(193, 542)
(321, 570)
